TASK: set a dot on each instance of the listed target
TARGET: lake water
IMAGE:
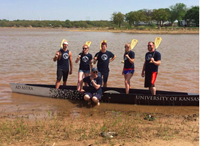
(26, 57)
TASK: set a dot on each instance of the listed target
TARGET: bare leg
(86, 97)
(127, 82)
(80, 77)
(95, 100)
(57, 84)
(153, 90)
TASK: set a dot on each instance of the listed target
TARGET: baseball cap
(94, 69)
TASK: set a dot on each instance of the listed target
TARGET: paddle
(133, 44)
(88, 43)
(157, 43)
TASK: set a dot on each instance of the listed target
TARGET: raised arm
(78, 58)
(95, 85)
(131, 60)
(56, 56)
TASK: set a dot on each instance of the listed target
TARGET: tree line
(160, 17)
(55, 23)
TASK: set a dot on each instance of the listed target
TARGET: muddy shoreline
(58, 124)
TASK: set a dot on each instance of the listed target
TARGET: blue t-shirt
(151, 67)
(127, 64)
(85, 61)
(97, 80)
(63, 62)
(103, 61)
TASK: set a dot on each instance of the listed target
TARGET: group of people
(95, 77)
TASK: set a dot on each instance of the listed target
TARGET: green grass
(129, 127)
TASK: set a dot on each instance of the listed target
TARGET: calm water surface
(26, 57)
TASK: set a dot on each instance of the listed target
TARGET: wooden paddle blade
(102, 42)
(133, 43)
(88, 43)
(157, 41)
(61, 44)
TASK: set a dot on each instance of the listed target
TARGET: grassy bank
(140, 30)
(129, 127)
(145, 30)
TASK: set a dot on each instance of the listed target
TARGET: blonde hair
(129, 45)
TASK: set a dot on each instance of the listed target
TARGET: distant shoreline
(153, 31)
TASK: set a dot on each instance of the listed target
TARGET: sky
(75, 10)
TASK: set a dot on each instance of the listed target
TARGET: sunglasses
(149, 45)
(95, 72)
(126, 47)
(84, 48)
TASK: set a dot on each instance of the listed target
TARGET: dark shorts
(150, 79)
(84, 71)
(128, 71)
(94, 94)
(104, 76)
(62, 73)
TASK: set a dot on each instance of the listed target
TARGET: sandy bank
(145, 31)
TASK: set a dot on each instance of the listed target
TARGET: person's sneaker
(98, 103)
(89, 102)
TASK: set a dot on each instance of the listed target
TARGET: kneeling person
(94, 81)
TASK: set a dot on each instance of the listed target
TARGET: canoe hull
(111, 95)
(168, 100)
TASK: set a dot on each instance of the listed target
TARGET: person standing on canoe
(128, 69)
(150, 67)
(85, 64)
(104, 57)
(63, 58)
(95, 92)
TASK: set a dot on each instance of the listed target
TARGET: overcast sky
(78, 9)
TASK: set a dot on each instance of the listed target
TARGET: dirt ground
(50, 123)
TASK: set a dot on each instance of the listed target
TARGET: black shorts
(98, 96)
(62, 73)
(104, 76)
(150, 78)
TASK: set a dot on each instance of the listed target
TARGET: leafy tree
(131, 17)
(117, 18)
(148, 14)
(178, 12)
(160, 15)
(134, 17)
(68, 23)
(193, 14)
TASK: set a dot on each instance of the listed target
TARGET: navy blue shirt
(127, 64)
(85, 61)
(151, 67)
(63, 62)
(97, 80)
(103, 60)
